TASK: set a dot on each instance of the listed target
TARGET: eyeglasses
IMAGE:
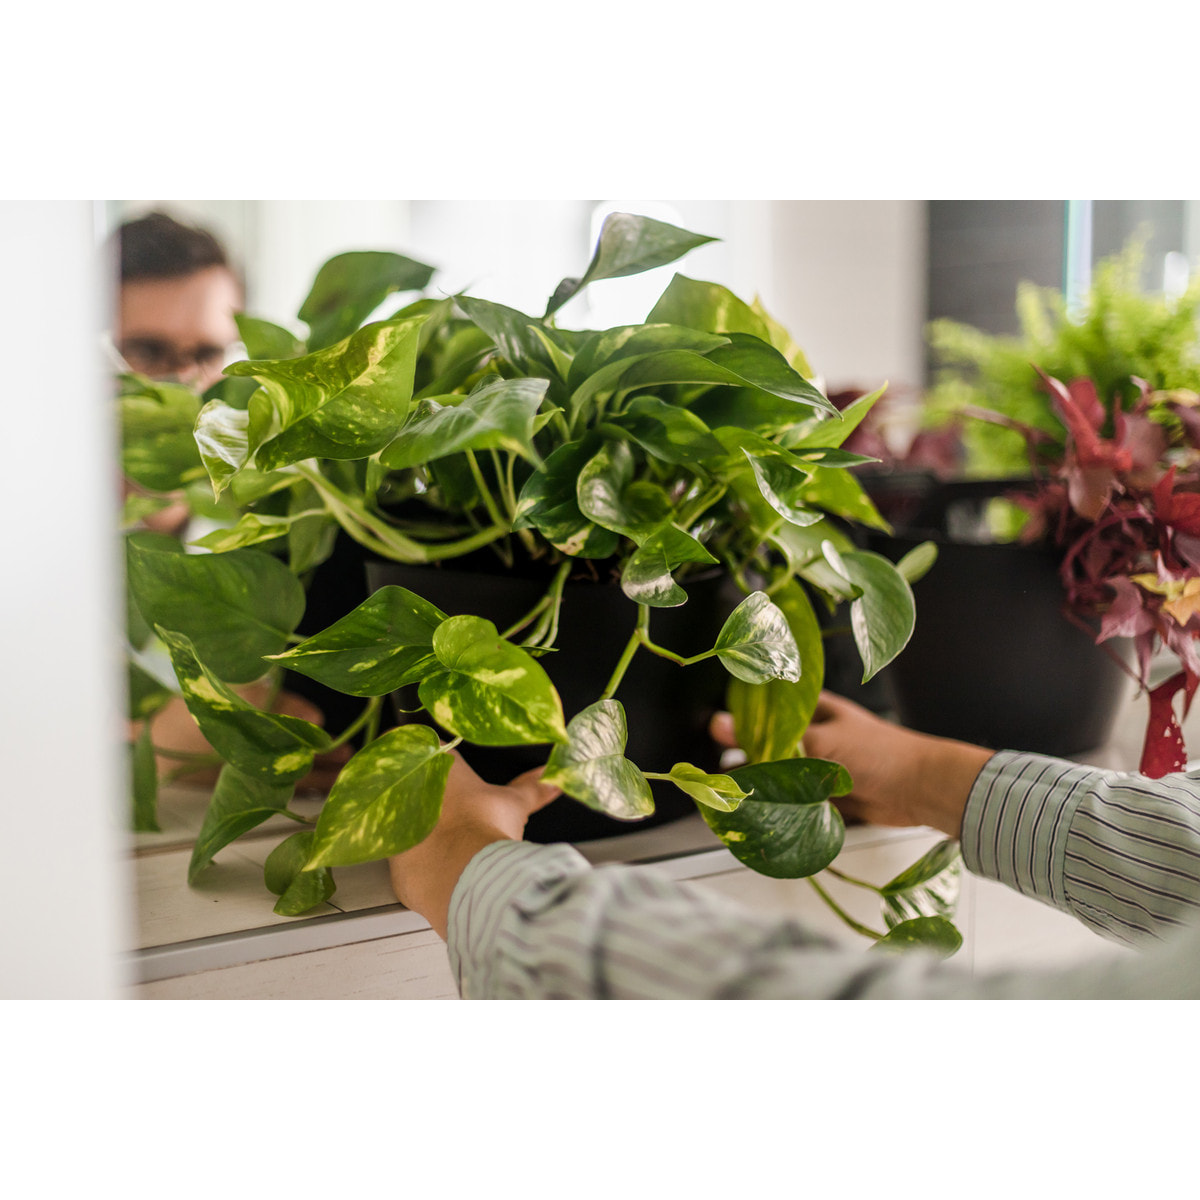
(158, 358)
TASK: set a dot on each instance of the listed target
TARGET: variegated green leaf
(601, 485)
(146, 693)
(383, 644)
(628, 245)
(385, 800)
(713, 791)
(158, 451)
(500, 415)
(646, 578)
(591, 766)
(351, 286)
(239, 803)
(922, 933)
(929, 888)
(756, 643)
(824, 429)
(514, 334)
(782, 487)
(222, 434)
(624, 343)
(251, 530)
(343, 402)
(787, 828)
(668, 432)
(548, 504)
(770, 718)
(284, 875)
(709, 306)
(271, 747)
(235, 607)
(489, 691)
(265, 339)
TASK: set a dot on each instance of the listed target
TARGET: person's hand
(900, 777)
(474, 814)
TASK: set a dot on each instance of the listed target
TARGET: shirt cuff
(492, 881)
(1017, 820)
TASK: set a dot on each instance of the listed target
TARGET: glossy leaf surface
(351, 286)
(265, 339)
(667, 431)
(272, 747)
(770, 718)
(146, 694)
(591, 766)
(383, 644)
(549, 504)
(629, 244)
(647, 579)
(787, 829)
(285, 875)
(222, 436)
(710, 306)
(239, 804)
(344, 402)
(499, 415)
(929, 888)
(922, 933)
(488, 690)
(713, 791)
(882, 618)
(158, 450)
(756, 643)
(385, 800)
(235, 607)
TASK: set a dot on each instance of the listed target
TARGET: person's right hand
(900, 777)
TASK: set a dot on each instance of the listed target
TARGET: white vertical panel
(65, 887)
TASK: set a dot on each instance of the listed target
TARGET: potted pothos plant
(1082, 434)
(639, 458)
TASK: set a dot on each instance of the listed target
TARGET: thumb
(534, 792)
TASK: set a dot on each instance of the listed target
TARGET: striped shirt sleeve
(1119, 852)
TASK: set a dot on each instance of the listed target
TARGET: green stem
(485, 491)
(841, 912)
(369, 710)
(690, 515)
(631, 647)
(862, 883)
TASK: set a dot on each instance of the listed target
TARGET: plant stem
(635, 640)
(850, 879)
(369, 710)
(485, 491)
(841, 912)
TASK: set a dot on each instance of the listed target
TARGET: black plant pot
(993, 659)
(667, 706)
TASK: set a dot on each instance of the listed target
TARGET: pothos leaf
(756, 643)
(488, 690)
(713, 791)
(883, 616)
(385, 800)
(239, 803)
(922, 933)
(285, 875)
(929, 888)
(591, 765)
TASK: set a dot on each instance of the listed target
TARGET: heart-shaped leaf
(770, 718)
(713, 791)
(514, 334)
(383, 644)
(825, 429)
(351, 286)
(624, 343)
(489, 691)
(268, 746)
(264, 339)
(234, 607)
(500, 415)
(782, 487)
(284, 874)
(385, 800)
(922, 933)
(548, 504)
(756, 643)
(883, 616)
(709, 306)
(646, 578)
(600, 487)
(929, 888)
(343, 402)
(251, 529)
(629, 244)
(838, 491)
(667, 431)
(239, 804)
(787, 828)
(917, 562)
(591, 766)
(158, 451)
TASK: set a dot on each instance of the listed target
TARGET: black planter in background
(993, 660)
(667, 706)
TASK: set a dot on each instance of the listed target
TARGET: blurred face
(179, 328)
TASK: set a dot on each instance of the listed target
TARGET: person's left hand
(474, 814)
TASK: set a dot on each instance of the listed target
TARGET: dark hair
(157, 246)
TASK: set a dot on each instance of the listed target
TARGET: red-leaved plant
(1121, 497)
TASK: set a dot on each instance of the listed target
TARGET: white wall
(66, 890)
(847, 278)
